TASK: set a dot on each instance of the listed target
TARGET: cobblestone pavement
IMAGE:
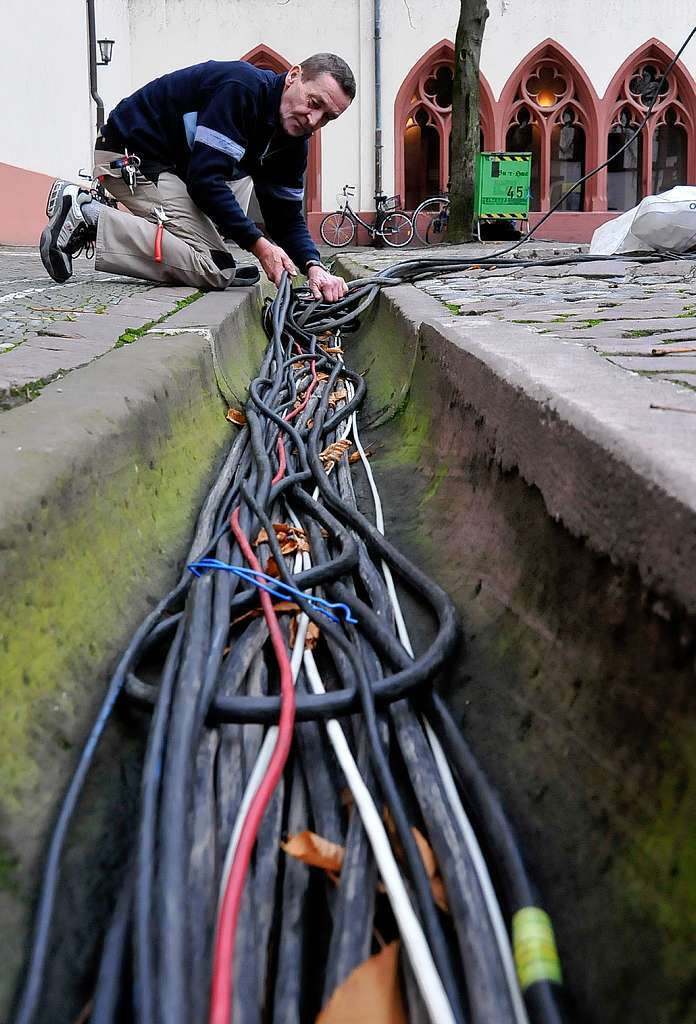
(639, 317)
(47, 329)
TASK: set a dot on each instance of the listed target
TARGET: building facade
(566, 82)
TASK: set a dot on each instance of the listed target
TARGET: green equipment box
(502, 186)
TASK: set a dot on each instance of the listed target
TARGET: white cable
(424, 969)
(448, 783)
(422, 963)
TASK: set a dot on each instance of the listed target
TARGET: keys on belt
(128, 165)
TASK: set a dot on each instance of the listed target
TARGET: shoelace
(83, 239)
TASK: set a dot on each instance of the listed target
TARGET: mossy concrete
(575, 682)
(105, 478)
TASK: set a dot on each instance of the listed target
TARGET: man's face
(309, 104)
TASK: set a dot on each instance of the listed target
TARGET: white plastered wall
(48, 118)
(220, 30)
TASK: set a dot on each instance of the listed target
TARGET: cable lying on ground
(290, 622)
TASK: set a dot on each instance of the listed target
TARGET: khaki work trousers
(126, 244)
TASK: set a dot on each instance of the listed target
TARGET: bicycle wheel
(337, 229)
(430, 220)
(397, 229)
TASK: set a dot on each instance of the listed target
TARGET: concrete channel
(565, 537)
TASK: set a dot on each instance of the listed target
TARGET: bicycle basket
(388, 205)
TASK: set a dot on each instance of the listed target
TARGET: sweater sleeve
(219, 144)
(280, 198)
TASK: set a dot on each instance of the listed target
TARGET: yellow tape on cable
(534, 946)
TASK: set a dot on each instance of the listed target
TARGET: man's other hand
(273, 259)
(324, 285)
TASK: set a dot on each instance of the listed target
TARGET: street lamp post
(105, 50)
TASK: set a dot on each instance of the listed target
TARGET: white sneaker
(67, 232)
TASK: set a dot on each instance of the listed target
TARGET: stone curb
(103, 477)
(616, 472)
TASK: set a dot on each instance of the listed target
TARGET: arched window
(267, 59)
(422, 125)
(548, 116)
(624, 168)
(427, 135)
(669, 151)
(658, 159)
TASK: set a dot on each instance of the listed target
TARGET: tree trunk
(465, 118)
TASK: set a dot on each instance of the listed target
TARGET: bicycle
(430, 220)
(395, 228)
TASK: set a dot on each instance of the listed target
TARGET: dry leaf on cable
(355, 457)
(291, 538)
(271, 568)
(311, 637)
(430, 864)
(279, 608)
(370, 993)
(315, 850)
(340, 395)
(236, 416)
(431, 869)
(333, 453)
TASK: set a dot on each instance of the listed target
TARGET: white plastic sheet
(667, 221)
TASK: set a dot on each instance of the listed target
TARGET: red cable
(223, 964)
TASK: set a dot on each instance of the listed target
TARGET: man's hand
(324, 285)
(273, 259)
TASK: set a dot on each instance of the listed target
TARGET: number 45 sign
(502, 186)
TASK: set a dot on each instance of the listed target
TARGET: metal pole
(93, 64)
(378, 97)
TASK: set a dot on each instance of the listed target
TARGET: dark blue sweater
(213, 123)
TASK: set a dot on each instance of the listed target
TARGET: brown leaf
(236, 416)
(312, 637)
(370, 993)
(427, 856)
(272, 568)
(431, 869)
(333, 453)
(322, 376)
(279, 608)
(291, 538)
(340, 395)
(315, 850)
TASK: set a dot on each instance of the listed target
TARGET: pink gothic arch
(546, 95)
(674, 113)
(418, 98)
(264, 57)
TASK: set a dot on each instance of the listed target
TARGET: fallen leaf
(315, 850)
(279, 608)
(322, 376)
(271, 568)
(432, 870)
(312, 636)
(333, 453)
(236, 416)
(430, 864)
(371, 993)
(337, 396)
(291, 538)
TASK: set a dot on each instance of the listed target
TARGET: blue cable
(273, 586)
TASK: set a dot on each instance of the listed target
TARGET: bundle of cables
(308, 805)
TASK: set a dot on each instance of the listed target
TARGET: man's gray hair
(330, 64)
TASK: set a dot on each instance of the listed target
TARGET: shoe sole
(55, 261)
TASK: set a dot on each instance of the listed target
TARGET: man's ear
(294, 73)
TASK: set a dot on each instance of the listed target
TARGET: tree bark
(465, 118)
